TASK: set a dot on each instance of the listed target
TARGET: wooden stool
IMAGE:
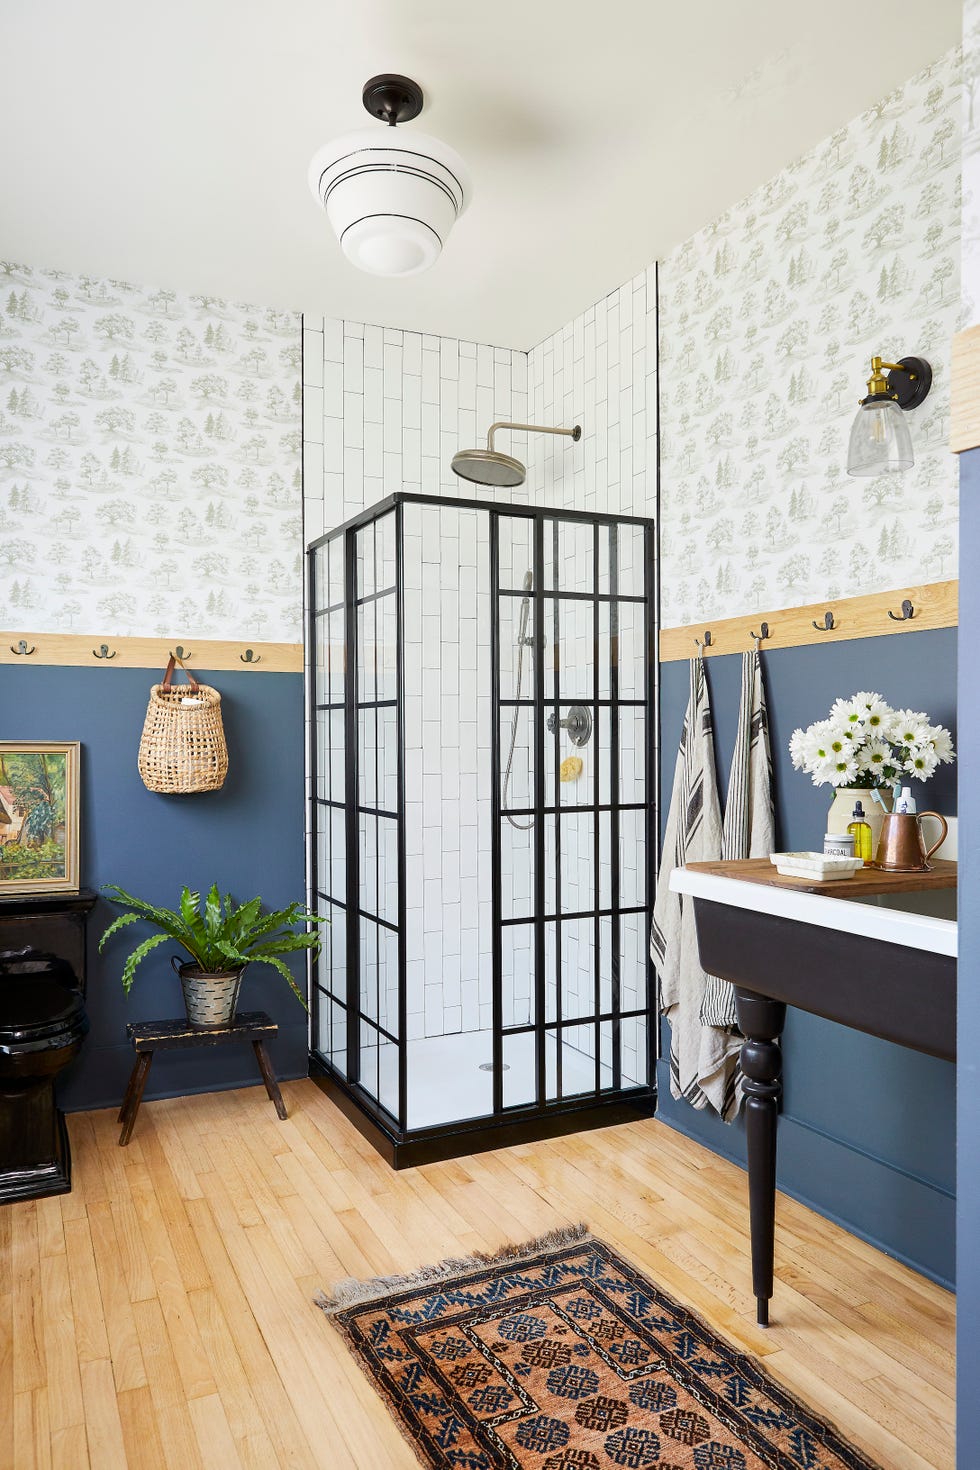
(150, 1036)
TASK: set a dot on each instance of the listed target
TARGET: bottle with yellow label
(860, 830)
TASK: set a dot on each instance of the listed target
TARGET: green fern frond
(139, 953)
(190, 912)
(278, 965)
(116, 925)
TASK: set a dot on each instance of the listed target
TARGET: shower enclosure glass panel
(483, 810)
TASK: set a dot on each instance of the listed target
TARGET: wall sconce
(880, 441)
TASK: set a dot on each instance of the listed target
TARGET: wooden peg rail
(85, 650)
(932, 606)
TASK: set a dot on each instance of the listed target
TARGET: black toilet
(42, 1026)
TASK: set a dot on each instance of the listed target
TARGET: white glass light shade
(392, 196)
(880, 440)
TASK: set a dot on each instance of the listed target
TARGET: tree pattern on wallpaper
(769, 319)
(971, 162)
(150, 449)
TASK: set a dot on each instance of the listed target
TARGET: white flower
(942, 743)
(798, 745)
(908, 727)
(875, 755)
(847, 712)
(842, 744)
(878, 714)
(843, 771)
(922, 762)
(863, 708)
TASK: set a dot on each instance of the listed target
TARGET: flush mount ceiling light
(391, 197)
(880, 441)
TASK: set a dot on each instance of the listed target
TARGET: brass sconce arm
(907, 383)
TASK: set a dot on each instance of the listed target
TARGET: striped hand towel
(749, 827)
(693, 835)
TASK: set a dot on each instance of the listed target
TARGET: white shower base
(446, 1083)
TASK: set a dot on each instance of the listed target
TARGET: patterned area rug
(558, 1355)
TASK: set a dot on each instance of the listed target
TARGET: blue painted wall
(867, 1130)
(248, 837)
(968, 1019)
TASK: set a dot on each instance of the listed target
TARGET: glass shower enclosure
(483, 764)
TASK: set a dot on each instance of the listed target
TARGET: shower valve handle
(577, 723)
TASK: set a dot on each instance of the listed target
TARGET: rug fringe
(354, 1293)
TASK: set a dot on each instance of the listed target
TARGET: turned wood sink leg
(761, 1022)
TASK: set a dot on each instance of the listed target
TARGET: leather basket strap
(168, 676)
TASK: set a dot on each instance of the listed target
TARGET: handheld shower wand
(523, 641)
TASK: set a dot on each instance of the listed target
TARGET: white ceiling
(168, 144)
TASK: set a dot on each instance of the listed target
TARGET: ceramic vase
(841, 813)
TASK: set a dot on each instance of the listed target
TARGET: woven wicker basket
(182, 748)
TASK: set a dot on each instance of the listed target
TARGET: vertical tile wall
(385, 410)
(600, 370)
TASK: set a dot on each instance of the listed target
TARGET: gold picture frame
(39, 810)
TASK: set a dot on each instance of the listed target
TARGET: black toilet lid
(32, 1007)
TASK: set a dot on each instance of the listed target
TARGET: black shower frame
(404, 1147)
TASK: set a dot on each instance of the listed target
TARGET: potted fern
(222, 938)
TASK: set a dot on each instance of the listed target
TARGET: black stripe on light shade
(380, 168)
(388, 214)
(402, 152)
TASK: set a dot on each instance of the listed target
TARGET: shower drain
(488, 1066)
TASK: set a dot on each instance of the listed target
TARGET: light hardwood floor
(161, 1314)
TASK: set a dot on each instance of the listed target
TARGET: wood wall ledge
(934, 606)
(965, 391)
(202, 655)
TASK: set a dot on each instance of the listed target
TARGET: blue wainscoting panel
(867, 1130)
(248, 838)
(968, 1018)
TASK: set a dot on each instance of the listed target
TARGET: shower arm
(575, 433)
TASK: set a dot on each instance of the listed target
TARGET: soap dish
(817, 866)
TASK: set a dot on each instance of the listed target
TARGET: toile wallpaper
(971, 163)
(769, 318)
(150, 452)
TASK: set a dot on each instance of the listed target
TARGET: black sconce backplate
(908, 391)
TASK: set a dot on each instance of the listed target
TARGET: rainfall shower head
(502, 471)
(489, 467)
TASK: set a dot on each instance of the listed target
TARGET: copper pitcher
(901, 848)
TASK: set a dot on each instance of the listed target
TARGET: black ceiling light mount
(392, 98)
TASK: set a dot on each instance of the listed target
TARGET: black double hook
(178, 652)
(22, 650)
(827, 626)
(761, 637)
(908, 611)
(248, 657)
(103, 651)
(707, 639)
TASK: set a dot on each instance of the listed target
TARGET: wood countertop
(865, 883)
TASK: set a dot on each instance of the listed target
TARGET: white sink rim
(915, 931)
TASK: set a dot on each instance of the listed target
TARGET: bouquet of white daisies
(864, 742)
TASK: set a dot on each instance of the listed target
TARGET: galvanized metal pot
(210, 998)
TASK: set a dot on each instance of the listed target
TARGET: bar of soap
(570, 768)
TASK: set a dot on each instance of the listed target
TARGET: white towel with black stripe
(749, 827)
(693, 835)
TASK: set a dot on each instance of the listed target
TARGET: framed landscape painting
(38, 816)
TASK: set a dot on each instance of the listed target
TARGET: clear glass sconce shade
(880, 441)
